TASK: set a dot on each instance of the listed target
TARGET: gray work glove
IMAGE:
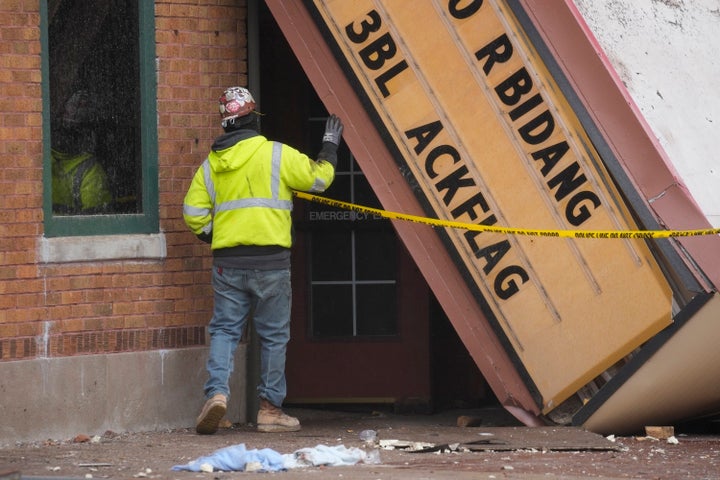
(333, 130)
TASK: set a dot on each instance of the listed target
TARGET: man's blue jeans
(239, 293)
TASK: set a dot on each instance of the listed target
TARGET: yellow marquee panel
(484, 135)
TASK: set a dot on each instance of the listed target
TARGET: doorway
(363, 316)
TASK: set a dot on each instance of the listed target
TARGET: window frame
(109, 224)
(353, 282)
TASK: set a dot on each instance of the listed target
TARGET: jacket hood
(231, 150)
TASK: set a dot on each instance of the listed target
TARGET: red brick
(199, 44)
(8, 330)
(135, 321)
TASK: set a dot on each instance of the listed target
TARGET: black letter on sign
(454, 182)
(381, 49)
(499, 50)
(511, 288)
(528, 105)
(518, 84)
(567, 181)
(468, 206)
(424, 134)
(550, 156)
(577, 219)
(538, 129)
(435, 153)
(388, 75)
(493, 254)
(368, 26)
(464, 12)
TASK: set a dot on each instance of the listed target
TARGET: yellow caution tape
(511, 231)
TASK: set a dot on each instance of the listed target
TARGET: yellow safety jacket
(79, 184)
(242, 195)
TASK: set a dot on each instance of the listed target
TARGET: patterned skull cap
(235, 102)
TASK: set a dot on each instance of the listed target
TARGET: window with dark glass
(352, 259)
(101, 98)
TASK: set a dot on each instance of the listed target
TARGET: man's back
(248, 185)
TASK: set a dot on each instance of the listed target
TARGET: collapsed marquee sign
(483, 135)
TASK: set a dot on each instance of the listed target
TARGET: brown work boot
(211, 414)
(272, 419)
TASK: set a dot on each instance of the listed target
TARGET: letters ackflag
(486, 136)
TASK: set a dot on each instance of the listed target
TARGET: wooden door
(360, 305)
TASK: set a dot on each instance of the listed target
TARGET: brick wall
(53, 310)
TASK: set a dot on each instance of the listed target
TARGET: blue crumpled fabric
(235, 458)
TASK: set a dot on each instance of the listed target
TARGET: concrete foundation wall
(59, 398)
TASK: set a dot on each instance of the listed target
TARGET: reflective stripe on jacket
(79, 183)
(243, 194)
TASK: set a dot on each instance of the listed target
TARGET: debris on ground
(465, 421)
(406, 445)
(661, 433)
(237, 458)
(550, 452)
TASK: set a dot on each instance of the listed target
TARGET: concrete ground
(496, 448)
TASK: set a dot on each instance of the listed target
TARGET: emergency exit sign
(485, 136)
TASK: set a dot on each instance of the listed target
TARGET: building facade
(108, 110)
(101, 316)
(104, 312)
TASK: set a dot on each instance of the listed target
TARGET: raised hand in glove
(333, 130)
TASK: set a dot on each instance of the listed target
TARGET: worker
(79, 182)
(240, 201)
